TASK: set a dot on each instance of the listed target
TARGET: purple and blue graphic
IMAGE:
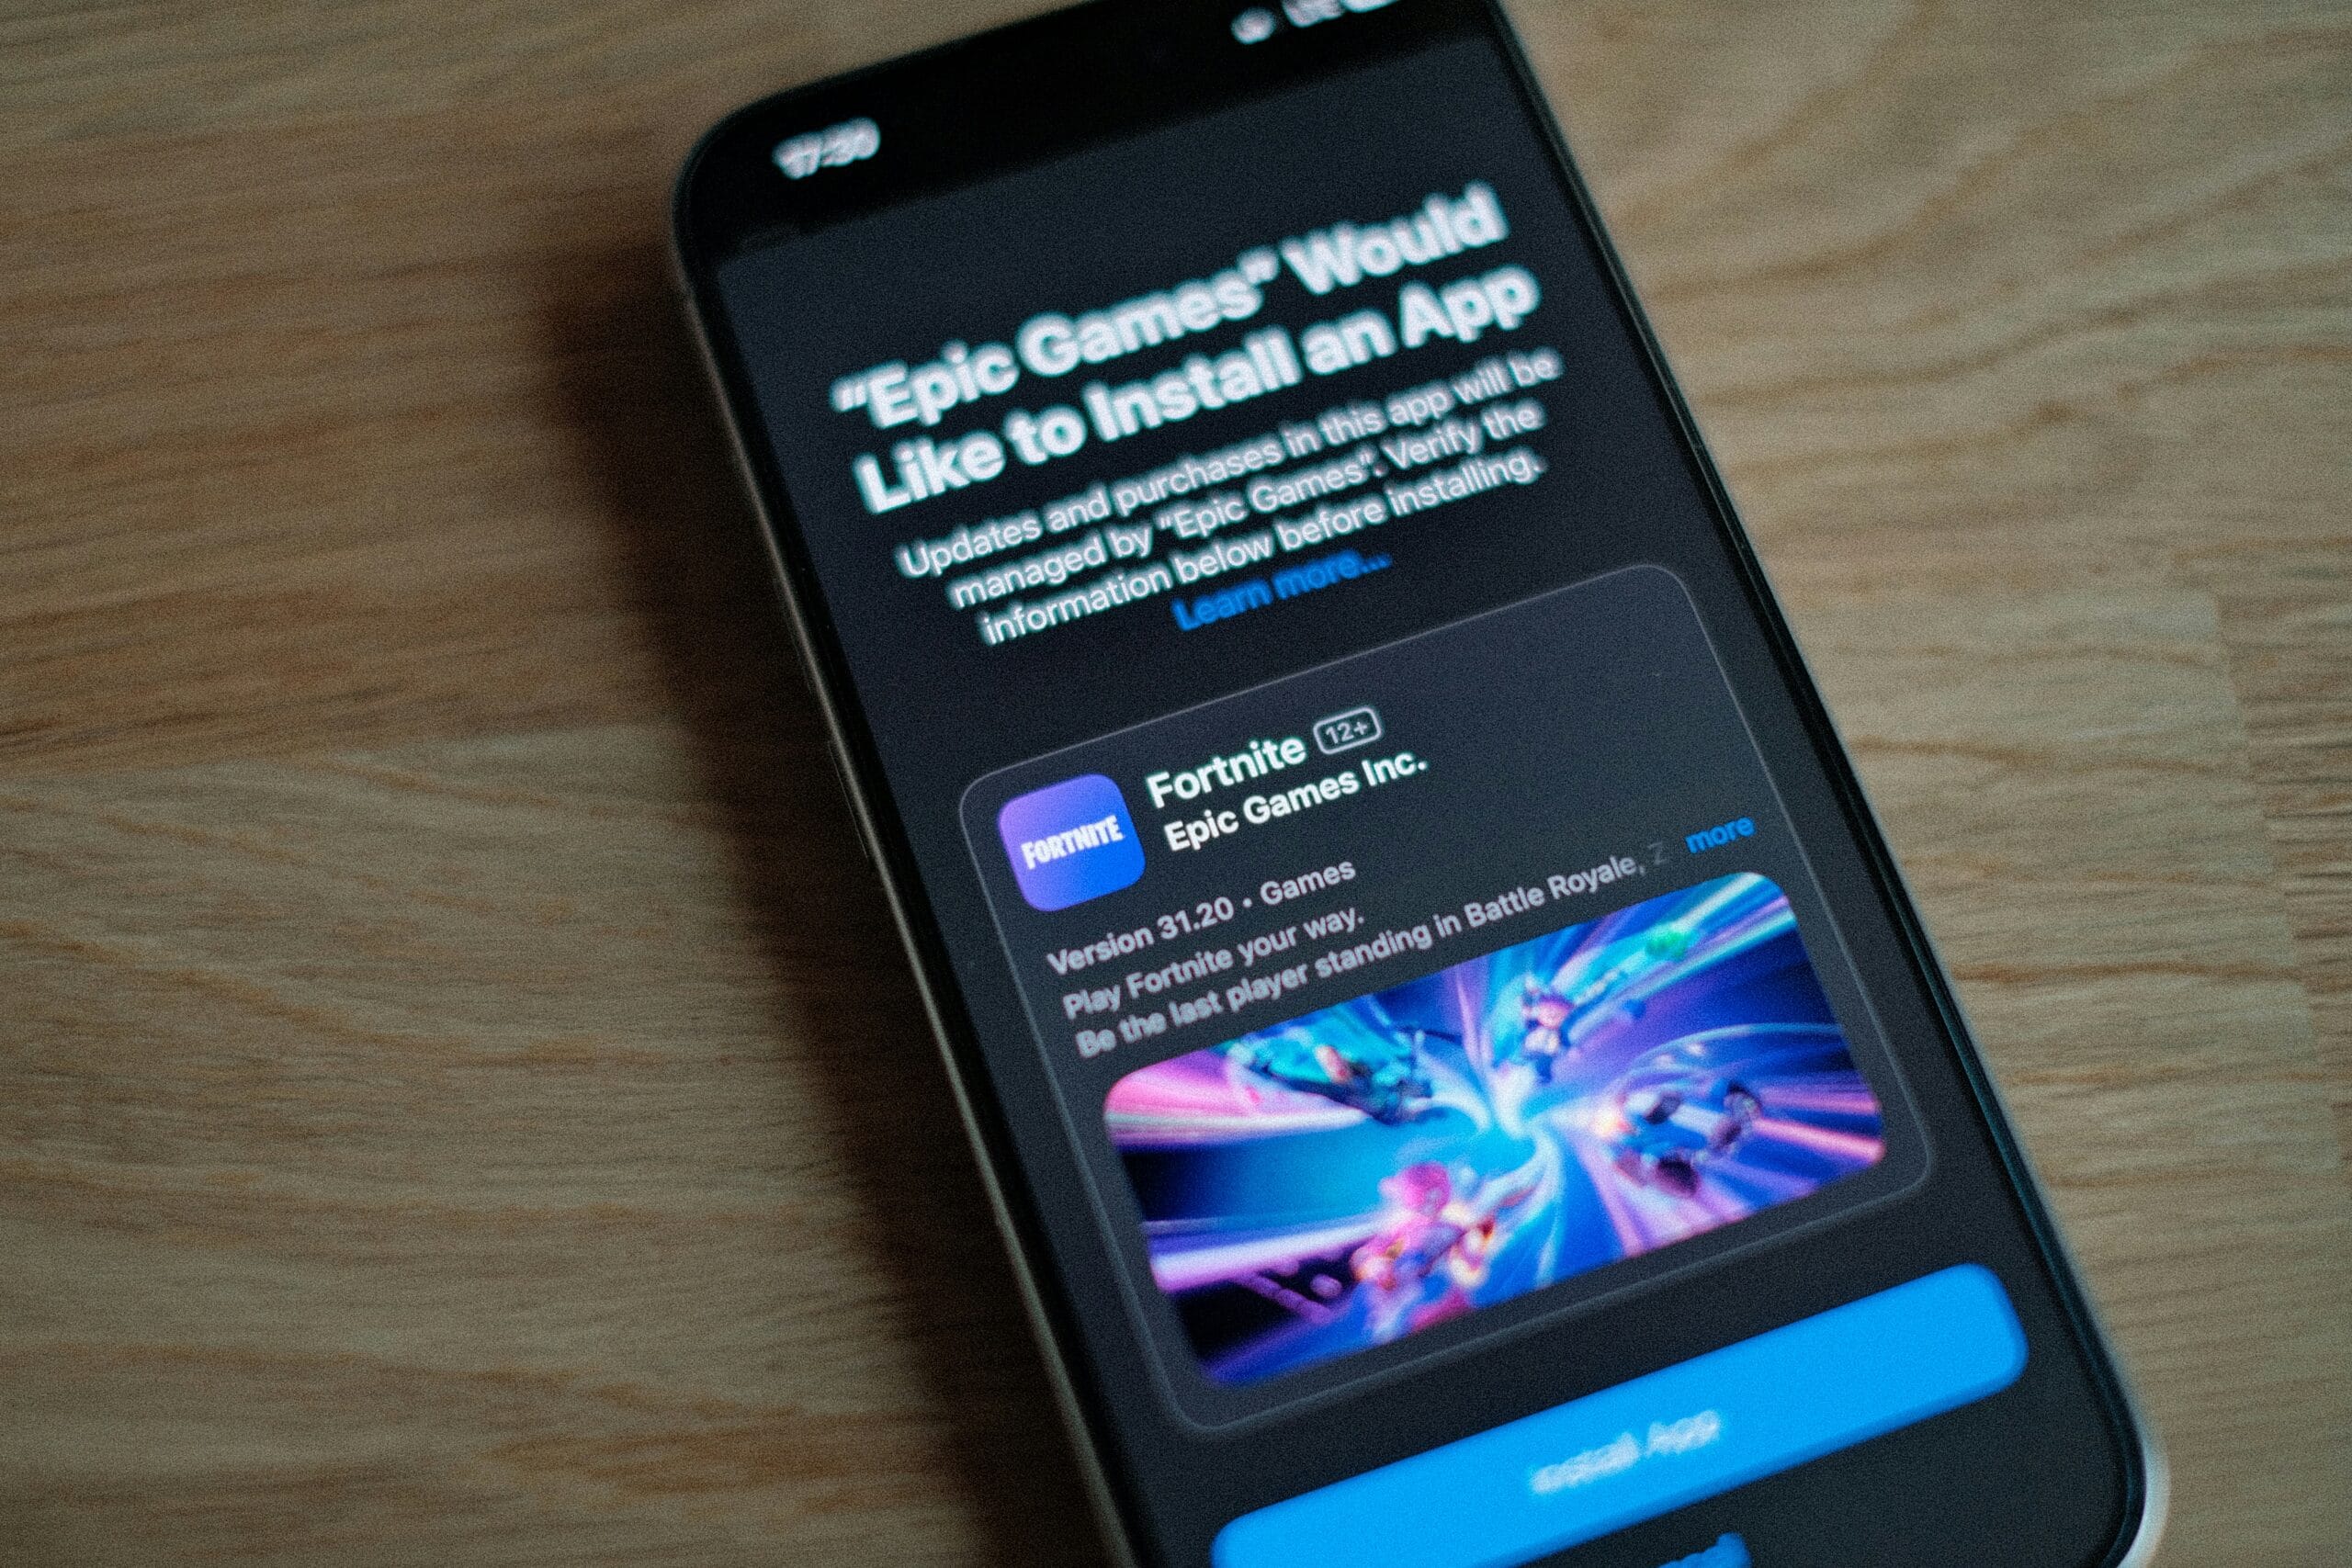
(1348, 1177)
(1071, 842)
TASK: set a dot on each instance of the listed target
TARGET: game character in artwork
(1665, 1131)
(1437, 1238)
(1383, 1079)
(1544, 1013)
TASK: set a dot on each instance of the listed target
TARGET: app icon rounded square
(1071, 842)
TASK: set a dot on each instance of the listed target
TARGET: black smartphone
(1459, 1073)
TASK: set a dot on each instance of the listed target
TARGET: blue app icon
(1071, 842)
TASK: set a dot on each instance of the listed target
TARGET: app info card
(1435, 989)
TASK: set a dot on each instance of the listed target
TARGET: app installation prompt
(1387, 1000)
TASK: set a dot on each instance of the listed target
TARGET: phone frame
(856, 760)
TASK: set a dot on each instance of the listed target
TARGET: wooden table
(460, 1100)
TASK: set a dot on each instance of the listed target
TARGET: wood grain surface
(438, 1003)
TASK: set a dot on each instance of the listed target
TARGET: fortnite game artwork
(1352, 1175)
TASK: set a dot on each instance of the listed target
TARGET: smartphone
(1460, 1076)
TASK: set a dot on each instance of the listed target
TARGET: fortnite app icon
(1071, 842)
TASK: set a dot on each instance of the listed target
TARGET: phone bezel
(714, 216)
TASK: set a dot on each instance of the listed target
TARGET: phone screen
(1465, 1082)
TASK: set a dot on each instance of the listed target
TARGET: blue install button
(1629, 1453)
